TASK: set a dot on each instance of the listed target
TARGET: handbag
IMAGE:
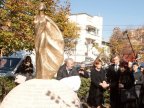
(128, 95)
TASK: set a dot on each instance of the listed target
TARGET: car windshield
(8, 64)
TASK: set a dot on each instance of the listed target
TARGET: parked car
(10, 64)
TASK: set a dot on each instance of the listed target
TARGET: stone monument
(44, 92)
(40, 93)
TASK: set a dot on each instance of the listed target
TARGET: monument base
(40, 93)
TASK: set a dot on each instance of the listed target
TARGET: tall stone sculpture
(49, 45)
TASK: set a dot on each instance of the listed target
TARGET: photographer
(83, 71)
(24, 71)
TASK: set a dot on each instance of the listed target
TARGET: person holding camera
(83, 71)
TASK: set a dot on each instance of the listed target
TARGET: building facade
(90, 35)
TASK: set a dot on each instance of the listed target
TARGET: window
(8, 64)
(92, 30)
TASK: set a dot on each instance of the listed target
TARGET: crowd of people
(124, 81)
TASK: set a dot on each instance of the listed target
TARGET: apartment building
(90, 35)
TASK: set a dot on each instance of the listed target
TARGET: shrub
(84, 88)
(6, 85)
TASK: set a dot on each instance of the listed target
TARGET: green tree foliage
(6, 85)
(1, 3)
(17, 27)
(16, 30)
(84, 89)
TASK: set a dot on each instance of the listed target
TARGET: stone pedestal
(39, 93)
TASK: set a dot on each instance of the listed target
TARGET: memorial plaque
(40, 93)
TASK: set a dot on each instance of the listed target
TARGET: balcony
(91, 37)
(92, 32)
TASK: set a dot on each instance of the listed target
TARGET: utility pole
(126, 32)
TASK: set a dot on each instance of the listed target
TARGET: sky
(116, 13)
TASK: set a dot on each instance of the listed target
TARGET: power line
(123, 25)
(121, 28)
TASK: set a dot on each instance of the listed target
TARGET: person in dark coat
(113, 74)
(126, 84)
(98, 85)
(141, 98)
(67, 69)
(83, 72)
(138, 80)
(26, 68)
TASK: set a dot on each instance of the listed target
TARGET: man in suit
(113, 74)
(67, 69)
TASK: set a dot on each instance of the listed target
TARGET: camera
(81, 70)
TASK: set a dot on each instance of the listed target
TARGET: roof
(84, 14)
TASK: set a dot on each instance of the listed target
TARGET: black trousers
(114, 99)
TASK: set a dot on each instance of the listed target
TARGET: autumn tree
(115, 41)
(137, 40)
(17, 27)
(127, 42)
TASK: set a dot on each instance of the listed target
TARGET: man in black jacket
(67, 69)
(113, 74)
